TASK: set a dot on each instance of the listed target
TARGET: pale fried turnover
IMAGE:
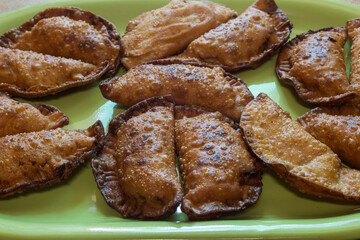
(29, 74)
(338, 128)
(243, 42)
(353, 27)
(71, 33)
(166, 31)
(219, 173)
(38, 159)
(17, 117)
(314, 64)
(295, 155)
(135, 170)
(189, 84)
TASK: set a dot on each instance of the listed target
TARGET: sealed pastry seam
(39, 159)
(135, 170)
(313, 63)
(190, 84)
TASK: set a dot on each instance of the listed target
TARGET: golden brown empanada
(354, 35)
(29, 74)
(218, 171)
(243, 42)
(38, 159)
(314, 64)
(17, 117)
(338, 128)
(189, 84)
(166, 31)
(71, 33)
(135, 170)
(295, 155)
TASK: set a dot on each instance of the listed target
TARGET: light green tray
(75, 208)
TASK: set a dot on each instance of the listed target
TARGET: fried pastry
(38, 159)
(189, 84)
(295, 155)
(338, 128)
(70, 33)
(135, 170)
(243, 42)
(314, 64)
(17, 117)
(219, 173)
(29, 74)
(354, 35)
(168, 30)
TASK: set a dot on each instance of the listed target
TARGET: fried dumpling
(295, 155)
(17, 117)
(354, 35)
(166, 31)
(243, 42)
(219, 173)
(29, 74)
(189, 84)
(71, 33)
(338, 128)
(314, 64)
(135, 170)
(38, 159)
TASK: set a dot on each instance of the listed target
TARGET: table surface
(6, 5)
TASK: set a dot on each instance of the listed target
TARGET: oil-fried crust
(353, 27)
(232, 168)
(53, 171)
(191, 80)
(166, 31)
(296, 156)
(105, 167)
(337, 127)
(315, 88)
(212, 46)
(43, 90)
(16, 117)
(10, 38)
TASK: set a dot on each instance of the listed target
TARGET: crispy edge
(298, 182)
(105, 84)
(283, 66)
(47, 110)
(22, 92)
(255, 176)
(96, 130)
(74, 13)
(270, 7)
(115, 199)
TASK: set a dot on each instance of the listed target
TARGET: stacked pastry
(136, 168)
(34, 150)
(57, 49)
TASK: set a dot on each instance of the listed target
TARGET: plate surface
(75, 208)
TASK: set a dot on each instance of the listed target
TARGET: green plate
(75, 209)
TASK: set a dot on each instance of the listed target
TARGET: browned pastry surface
(219, 173)
(243, 42)
(71, 33)
(353, 26)
(295, 155)
(17, 117)
(166, 31)
(338, 128)
(314, 64)
(189, 84)
(38, 159)
(30, 74)
(135, 171)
